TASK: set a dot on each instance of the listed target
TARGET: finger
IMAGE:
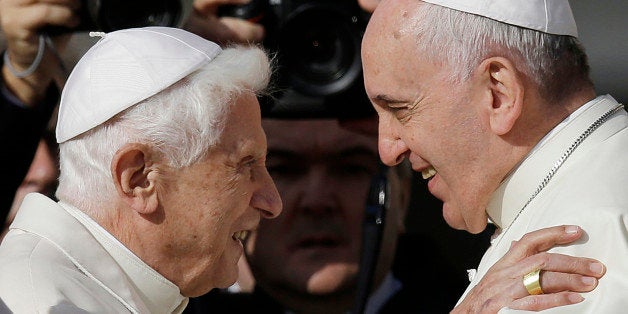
(54, 15)
(562, 263)
(243, 31)
(556, 282)
(29, 20)
(224, 31)
(546, 301)
(557, 262)
(23, 39)
(542, 240)
(559, 272)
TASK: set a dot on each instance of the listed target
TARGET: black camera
(111, 15)
(317, 47)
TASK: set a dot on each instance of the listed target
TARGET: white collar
(516, 189)
(158, 293)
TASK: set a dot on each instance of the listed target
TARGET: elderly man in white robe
(162, 158)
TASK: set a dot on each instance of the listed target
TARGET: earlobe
(507, 91)
(131, 170)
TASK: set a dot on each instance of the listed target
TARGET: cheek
(232, 195)
(353, 205)
(213, 214)
(354, 210)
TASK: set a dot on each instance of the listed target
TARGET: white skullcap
(124, 68)
(548, 16)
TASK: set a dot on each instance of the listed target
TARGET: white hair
(181, 123)
(557, 64)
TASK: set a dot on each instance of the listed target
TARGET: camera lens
(320, 50)
(116, 14)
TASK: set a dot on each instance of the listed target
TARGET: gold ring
(532, 282)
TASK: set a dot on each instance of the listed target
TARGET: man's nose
(267, 199)
(320, 192)
(392, 150)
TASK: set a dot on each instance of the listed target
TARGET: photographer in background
(28, 91)
(35, 67)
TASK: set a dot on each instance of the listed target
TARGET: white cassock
(55, 259)
(589, 189)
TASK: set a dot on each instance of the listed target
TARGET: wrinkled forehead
(243, 133)
(390, 33)
(393, 19)
(389, 45)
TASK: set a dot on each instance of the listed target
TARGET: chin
(332, 279)
(328, 286)
(208, 280)
(227, 278)
(478, 227)
(453, 218)
(196, 291)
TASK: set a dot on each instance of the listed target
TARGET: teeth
(240, 235)
(428, 173)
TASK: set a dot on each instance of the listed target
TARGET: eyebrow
(255, 155)
(387, 99)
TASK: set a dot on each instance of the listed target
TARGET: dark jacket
(20, 131)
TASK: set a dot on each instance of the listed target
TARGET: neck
(537, 119)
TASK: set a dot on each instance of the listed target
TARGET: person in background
(41, 176)
(160, 140)
(498, 112)
(28, 94)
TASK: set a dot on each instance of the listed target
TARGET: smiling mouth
(240, 235)
(428, 173)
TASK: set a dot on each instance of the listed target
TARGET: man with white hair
(491, 100)
(162, 158)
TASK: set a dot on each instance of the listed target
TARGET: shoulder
(37, 277)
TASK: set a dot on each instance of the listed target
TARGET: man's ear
(507, 89)
(133, 170)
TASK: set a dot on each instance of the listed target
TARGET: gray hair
(181, 123)
(557, 64)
